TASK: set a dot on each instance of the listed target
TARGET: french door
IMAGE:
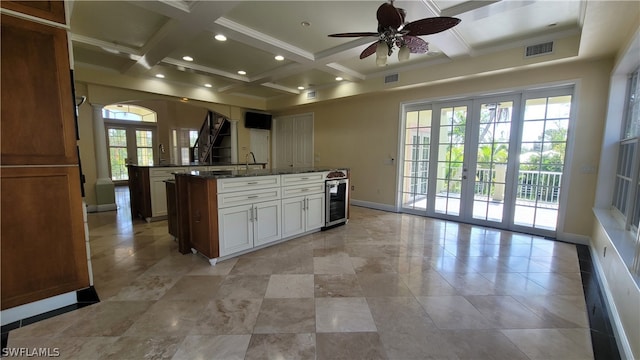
(129, 144)
(493, 161)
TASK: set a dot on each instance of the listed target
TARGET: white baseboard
(372, 205)
(37, 307)
(573, 238)
(618, 329)
(101, 208)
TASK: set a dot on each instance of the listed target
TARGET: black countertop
(194, 164)
(258, 172)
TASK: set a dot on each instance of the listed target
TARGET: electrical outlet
(353, 188)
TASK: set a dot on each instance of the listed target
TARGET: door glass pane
(542, 157)
(415, 173)
(117, 142)
(144, 147)
(450, 160)
(493, 154)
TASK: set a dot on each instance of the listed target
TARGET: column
(234, 141)
(105, 190)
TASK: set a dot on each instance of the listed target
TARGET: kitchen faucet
(246, 159)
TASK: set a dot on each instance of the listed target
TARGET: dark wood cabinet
(38, 123)
(43, 243)
(43, 247)
(203, 216)
(139, 192)
(48, 10)
(172, 210)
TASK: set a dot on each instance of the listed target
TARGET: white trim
(373, 205)
(573, 238)
(101, 208)
(37, 307)
(618, 329)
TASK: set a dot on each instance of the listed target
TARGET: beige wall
(171, 113)
(362, 132)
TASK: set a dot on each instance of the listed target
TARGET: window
(181, 142)
(626, 194)
(128, 113)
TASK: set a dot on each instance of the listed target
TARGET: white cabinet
(235, 229)
(246, 226)
(302, 203)
(302, 213)
(158, 189)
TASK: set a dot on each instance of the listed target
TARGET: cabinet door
(236, 229)
(38, 124)
(266, 222)
(158, 197)
(315, 212)
(43, 246)
(50, 10)
(293, 219)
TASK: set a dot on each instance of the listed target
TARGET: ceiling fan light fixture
(381, 61)
(382, 49)
(403, 53)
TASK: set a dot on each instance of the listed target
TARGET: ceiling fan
(393, 31)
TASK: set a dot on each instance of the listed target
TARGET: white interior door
(259, 140)
(293, 141)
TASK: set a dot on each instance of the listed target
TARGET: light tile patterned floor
(385, 286)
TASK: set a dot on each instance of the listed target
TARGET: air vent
(311, 94)
(391, 78)
(539, 49)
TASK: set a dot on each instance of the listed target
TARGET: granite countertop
(258, 172)
(193, 164)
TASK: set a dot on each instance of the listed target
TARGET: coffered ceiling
(137, 40)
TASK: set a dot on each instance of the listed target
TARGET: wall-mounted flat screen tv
(254, 120)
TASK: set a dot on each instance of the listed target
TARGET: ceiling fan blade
(354, 34)
(370, 50)
(431, 25)
(389, 16)
(415, 44)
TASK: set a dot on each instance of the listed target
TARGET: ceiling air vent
(391, 78)
(539, 49)
(311, 94)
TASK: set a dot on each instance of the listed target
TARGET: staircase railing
(209, 133)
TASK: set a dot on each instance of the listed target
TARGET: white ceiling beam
(173, 34)
(281, 88)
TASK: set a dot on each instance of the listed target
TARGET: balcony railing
(543, 186)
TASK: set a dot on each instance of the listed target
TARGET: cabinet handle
(256, 217)
(304, 190)
(251, 216)
(252, 183)
(305, 178)
(196, 217)
(252, 197)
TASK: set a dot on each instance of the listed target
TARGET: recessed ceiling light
(339, 78)
(300, 87)
(305, 24)
(208, 85)
(184, 99)
(242, 72)
(160, 76)
(220, 37)
(279, 57)
(187, 58)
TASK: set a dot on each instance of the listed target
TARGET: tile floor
(385, 286)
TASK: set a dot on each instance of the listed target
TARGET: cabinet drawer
(166, 172)
(247, 183)
(289, 191)
(306, 178)
(198, 168)
(222, 168)
(247, 197)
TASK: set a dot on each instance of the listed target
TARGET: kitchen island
(221, 214)
(147, 188)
